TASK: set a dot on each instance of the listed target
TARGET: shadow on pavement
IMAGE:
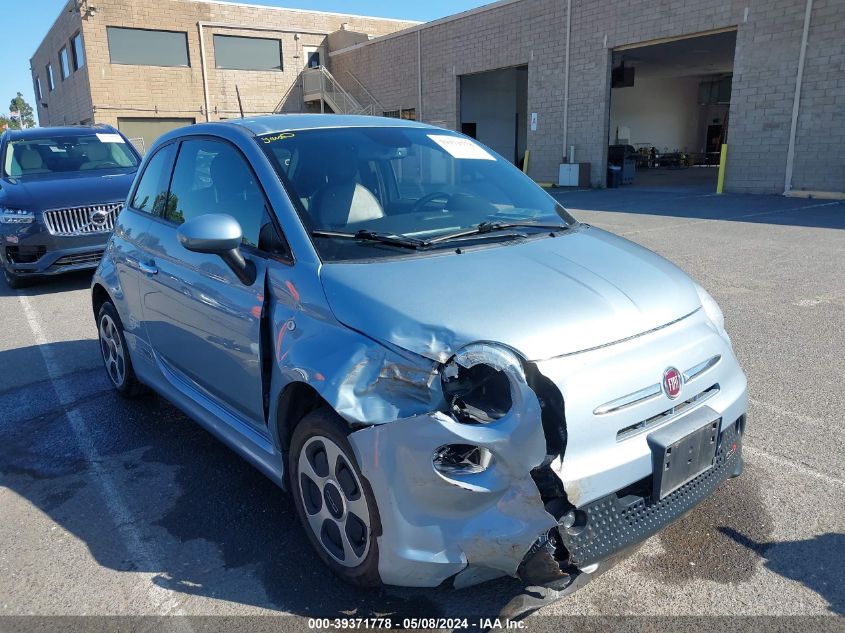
(815, 562)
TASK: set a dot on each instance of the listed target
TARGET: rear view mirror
(218, 234)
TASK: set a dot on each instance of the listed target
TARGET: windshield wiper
(372, 236)
(490, 227)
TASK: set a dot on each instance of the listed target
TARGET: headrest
(29, 159)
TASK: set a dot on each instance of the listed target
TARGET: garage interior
(494, 110)
(669, 112)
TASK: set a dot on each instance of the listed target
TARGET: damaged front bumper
(551, 516)
(474, 526)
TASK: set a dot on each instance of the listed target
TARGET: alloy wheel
(113, 352)
(334, 501)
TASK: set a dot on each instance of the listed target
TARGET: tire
(335, 504)
(14, 281)
(115, 353)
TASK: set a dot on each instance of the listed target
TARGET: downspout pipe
(200, 26)
(566, 79)
(796, 100)
(419, 76)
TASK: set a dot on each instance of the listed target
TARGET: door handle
(147, 269)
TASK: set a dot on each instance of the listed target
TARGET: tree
(26, 117)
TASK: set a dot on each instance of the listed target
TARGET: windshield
(375, 192)
(68, 153)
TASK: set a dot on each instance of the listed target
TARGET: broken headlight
(477, 383)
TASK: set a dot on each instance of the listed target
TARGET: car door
(126, 248)
(202, 322)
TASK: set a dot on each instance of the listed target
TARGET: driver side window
(212, 177)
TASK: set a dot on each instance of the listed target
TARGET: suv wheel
(334, 502)
(115, 353)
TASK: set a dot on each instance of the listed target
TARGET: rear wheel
(335, 504)
(115, 353)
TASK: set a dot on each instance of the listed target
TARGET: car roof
(272, 123)
(67, 130)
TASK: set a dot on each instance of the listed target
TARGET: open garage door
(669, 105)
(494, 109)
(143, 131)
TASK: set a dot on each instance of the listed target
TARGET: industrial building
(567, 89)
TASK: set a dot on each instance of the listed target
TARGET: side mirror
(218, 234)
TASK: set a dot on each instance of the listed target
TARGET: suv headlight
(16, 216)
(711, 309)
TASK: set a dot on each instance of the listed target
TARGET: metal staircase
(318, 84)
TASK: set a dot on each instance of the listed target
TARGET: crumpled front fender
(437, 525)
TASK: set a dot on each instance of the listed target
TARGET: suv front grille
(90, 220)
(92, 257)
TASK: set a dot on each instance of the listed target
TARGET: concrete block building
(663, 83)
(146, 67)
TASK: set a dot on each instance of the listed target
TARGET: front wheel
(116, 354)
(334, 502)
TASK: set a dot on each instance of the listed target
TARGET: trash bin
(614, 176)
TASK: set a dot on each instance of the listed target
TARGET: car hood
(543, 298)
(66, 190)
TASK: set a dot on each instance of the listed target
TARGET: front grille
(629, 516)
(98, 218)
(91, 257)
(644, 425)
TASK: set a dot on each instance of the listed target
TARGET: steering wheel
(420, 204)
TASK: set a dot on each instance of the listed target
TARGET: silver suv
(454, 378)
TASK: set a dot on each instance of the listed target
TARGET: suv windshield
(382, 191)
(68, 153)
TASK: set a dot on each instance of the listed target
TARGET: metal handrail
(321, 80)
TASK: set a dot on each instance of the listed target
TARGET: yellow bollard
(524, 162)
(723, 155)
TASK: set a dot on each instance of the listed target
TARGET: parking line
(166, 603)
(783, 461)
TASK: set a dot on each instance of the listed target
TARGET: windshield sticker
(110, 138)
(57, 150)
(461, 147)
(279, 137)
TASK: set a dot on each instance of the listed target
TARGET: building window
(78, 51)
(247, 53)
(64, 63)
(409, 114)
(37, 82)
(51, 81)
(141, 47)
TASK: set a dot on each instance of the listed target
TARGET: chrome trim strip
(622, 340)
(697, 370)
(660, 419)
(652, 391)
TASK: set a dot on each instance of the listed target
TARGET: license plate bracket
(683, 449)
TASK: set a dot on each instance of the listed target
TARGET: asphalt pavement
(109, 507)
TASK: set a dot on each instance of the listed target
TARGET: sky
(26, 22)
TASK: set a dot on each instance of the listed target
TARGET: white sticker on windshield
(461, 147)
(110, 138)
